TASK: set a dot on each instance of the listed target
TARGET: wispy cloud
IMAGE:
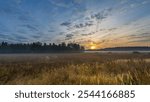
(65, 24)
(30, 27)
(102, 22)
(61, 3)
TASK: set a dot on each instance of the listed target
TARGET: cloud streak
(105, 23)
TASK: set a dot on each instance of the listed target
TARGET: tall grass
(75, 69)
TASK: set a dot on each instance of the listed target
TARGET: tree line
(38, 47)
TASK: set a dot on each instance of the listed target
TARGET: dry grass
(75, 69)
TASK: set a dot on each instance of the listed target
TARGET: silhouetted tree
(38, 47)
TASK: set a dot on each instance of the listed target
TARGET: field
(75, 69)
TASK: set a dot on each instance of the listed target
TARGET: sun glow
(93, 47)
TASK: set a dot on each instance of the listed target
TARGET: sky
(91, 23)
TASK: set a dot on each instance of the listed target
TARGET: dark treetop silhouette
(38, 47)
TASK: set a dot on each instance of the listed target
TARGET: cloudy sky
(92, 23)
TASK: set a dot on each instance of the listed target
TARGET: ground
(75, 69)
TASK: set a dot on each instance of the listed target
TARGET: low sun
(93, 47)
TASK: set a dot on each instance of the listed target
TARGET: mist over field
(75, 69)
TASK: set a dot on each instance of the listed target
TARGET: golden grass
(75, 69)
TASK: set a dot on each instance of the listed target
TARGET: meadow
(75, 69)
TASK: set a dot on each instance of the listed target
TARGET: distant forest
(38, 47)
(133, 48)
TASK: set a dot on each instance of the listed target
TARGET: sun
(93, 47)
